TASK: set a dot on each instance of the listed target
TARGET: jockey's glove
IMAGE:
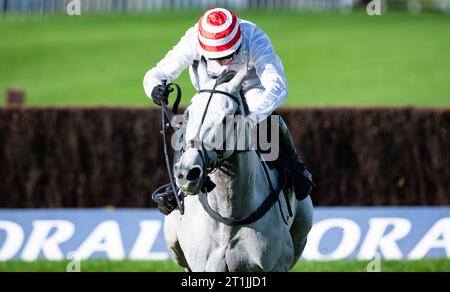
(160, 94)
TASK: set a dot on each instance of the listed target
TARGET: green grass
(169, 266)
(330, 59)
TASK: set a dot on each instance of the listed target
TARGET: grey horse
(200, 243)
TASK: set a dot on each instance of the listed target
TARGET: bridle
(211, 164)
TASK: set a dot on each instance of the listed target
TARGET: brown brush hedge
(96, 157)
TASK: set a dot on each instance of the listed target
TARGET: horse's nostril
(193, 174)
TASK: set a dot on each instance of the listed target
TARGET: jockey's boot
(164, 196)
(295, 167)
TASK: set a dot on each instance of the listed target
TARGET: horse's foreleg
(171, 224)
(301, 226)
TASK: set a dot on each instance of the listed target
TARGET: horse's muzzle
(188, 180)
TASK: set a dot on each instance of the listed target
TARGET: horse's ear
(238, 78)
(202, 72)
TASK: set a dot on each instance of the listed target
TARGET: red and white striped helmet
(219, 33)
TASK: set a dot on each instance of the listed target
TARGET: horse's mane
(226, 76)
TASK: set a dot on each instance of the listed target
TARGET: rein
(212, 91)
(166, 118)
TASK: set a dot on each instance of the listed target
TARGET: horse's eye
(186, 115)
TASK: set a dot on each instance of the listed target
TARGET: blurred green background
(330, 58)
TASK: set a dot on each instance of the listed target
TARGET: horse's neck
(240, 186)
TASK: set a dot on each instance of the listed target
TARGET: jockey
(228, 43)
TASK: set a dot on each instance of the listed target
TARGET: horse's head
(207, 135)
